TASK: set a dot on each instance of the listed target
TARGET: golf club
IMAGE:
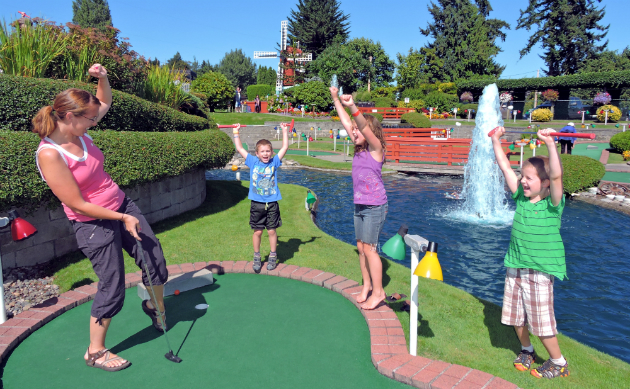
(169, 355)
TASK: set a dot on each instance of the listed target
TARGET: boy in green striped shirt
(535, 255)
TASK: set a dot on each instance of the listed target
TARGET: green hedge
(384, 102)
(22, 97)
(418, 120)
(131, 158)
(378, 116)
(580, 172)
(444, 102)
(620, 142)
(261, 90)
(616, 79)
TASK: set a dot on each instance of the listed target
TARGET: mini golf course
(259, 331)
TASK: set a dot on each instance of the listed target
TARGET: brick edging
(388, 344)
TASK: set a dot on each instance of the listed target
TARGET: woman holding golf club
(105, 221)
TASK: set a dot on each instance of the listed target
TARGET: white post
(468, 115)
(606, 120)
(430, 112)
(299, 141)
(624, 128)
(417, 244)
(307, 142)
(521, 156)
(315, 129)
(335, 140)
(534, 151)
(583, 117)
(238, 175)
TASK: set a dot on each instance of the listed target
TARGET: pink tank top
(367, 180)
(96, 186)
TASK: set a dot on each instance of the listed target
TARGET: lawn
(322, 145)
(256, 118)
(454, 326)
(322, 163)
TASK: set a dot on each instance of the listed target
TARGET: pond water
(592, 306)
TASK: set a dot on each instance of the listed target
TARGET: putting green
(582, 149)
(259, 331)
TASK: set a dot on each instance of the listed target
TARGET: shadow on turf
(288, 249)
(386, 264)
(179, 309)
(501, 336)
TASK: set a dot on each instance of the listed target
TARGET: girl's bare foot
(364, 294)
(373, 301)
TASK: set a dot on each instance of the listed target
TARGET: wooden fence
(414, 145)
(387, 112)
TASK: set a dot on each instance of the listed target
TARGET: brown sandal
(91, 361)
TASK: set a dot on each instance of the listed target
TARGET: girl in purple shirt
(370, 199)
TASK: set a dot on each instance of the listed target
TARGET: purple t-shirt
(367, 180)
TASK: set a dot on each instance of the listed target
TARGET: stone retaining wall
(55, 236)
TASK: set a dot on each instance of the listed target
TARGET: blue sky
(209, 29)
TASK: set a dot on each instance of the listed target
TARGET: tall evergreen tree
(91, 13)
(177, 62)
(266, 76)
(316, 23)
(464, 38)
(568, 31)
(238, 68)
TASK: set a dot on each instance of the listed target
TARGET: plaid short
(528, 299)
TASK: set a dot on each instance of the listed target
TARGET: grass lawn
(615, 157)
(255, 118)
(454, 326)
(321, 163)
(322, 145)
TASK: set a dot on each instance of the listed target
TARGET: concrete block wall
(55, 236)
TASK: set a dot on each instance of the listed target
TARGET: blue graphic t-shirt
(263, 185)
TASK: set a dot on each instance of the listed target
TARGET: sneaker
(524, 360)
(257, 264)
(551, 370)
(271, 264)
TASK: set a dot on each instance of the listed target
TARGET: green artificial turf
(258, 332)
(256, 118)
(616, 177)
(454, 326)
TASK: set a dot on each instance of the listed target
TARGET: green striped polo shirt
(536, 242)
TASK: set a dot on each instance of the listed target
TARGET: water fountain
(484, 184)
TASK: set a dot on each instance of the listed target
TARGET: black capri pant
(102, 241)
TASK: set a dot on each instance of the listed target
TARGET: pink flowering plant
(551, 95)
(466, 97)
(602, 98)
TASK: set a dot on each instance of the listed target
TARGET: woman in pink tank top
(100, 213)
(370, 198)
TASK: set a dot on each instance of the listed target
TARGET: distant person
(237, 100)
(257, 104)
(566, 143)
(264, 211)
(535, 255)
(105, 221)
(370, 198)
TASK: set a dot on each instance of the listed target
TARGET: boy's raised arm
(556, 189)
(237, 141)
(504, 164)
(285, 140)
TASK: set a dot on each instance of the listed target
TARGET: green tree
(347, 64)
(216, 88)
(568, 31)
(464, 38)
(238, 68)
(417, 67)
(177, 62)
(607, 61)
(267, 76)
(380, 71)
(206, 67)
(316, 23)
(314, 94)
(91, 13)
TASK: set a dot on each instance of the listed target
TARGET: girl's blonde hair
(72, 100)
(541, 164)
(377, 130)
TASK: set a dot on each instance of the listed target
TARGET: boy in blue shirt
(264, 192)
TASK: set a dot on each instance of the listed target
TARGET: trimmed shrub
(580, 172)
(418, 120)
(417, 104)
(217, 89)
(21, 98)
(442, 101)
(613, 116)
(542, 115)
(131, 158)
(384, 102)
(462, 108)
(620, 142)
(261, 90)
(413, 94)
(364, 96)
(378, 116)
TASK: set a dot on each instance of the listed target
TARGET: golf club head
(172, 357)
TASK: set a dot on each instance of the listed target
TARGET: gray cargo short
(102, 241)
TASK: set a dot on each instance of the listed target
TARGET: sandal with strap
(91, 361)
(153, 314)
